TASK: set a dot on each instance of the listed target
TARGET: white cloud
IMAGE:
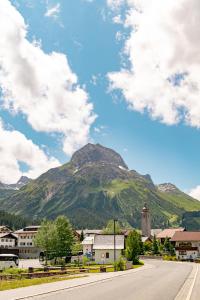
(163, 53)
(53, 11)
(16, 148)
(195, 193)
(41, 86)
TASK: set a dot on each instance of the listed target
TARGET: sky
(122, 73)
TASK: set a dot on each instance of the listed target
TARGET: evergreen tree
(167, 245)
(155, 248)
(82, 236)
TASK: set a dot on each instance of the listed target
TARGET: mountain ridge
(95, 186)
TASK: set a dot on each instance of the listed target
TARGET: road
(161, 282)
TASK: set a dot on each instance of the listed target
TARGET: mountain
(95, 186)
(16, 186)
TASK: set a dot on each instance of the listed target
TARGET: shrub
(120, 265)
(169, 258)
(85, 260)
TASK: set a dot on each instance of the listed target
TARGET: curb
(84, 284)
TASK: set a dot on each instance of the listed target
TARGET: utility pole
(115, 243)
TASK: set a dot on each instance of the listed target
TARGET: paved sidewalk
(28, 292)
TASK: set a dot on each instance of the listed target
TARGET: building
(88, 232)
(103, 248)
(8, 240)
(187, 244)
(88, 243)
(146, 221)
(4, 229)
(168, 233)
(25, 242)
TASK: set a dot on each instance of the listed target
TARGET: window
(107, 254)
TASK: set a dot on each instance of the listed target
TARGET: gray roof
(28, 229)
(105, 241)
(89, 231)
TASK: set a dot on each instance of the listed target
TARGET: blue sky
(85, 32)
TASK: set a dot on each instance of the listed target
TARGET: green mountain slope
(95, 186)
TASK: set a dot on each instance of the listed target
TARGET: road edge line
(189, 282)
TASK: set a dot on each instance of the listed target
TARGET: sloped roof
(89, 231)
(28, 229)
(8, 235)
(4, 228)
(169, 232)
(89, 240)
(155, 231)
(186, 236)
(106, 241)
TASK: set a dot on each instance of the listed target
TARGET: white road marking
(188, 285)
(192, 285)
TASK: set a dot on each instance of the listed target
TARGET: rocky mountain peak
(23, 180)
(15, 186)
(167, 188)
(92, 153)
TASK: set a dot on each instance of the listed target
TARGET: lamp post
(115, 243)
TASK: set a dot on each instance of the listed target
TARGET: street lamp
(115, 244)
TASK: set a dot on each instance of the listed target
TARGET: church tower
(146, 221)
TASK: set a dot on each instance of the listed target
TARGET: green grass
(13, 284)
(14, 271)
(182, 201)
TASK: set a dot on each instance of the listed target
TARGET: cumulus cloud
(163, 77)
(53, 11)
(195, 193)
(16, 148)
(41, 85)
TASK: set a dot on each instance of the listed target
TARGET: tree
(64, 235)
(46, 237)
(155, 248)
(55, 238)
(147, 246)
(109, 229)
(133, 248)
(167, 245)
(82, 236)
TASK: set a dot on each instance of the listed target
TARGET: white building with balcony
(187, 245)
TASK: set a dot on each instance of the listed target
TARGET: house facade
(25, 242)
(101, 249)
(104, 249)
(187, 245)
(88, 243)
(8, 240)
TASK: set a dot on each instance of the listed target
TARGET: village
(106, 248)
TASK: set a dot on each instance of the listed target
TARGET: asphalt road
(162, 282)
